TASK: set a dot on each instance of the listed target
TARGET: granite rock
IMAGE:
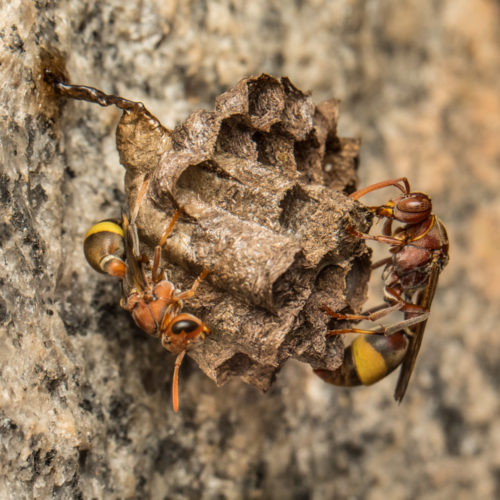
(85, 401)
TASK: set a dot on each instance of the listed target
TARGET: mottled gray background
(85, 396)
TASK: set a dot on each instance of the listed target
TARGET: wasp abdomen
(104, 248)
(367, 360)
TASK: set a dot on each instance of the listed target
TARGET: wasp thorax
(104, 248)
(150, 311)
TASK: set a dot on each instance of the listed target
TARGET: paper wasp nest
(260, 182)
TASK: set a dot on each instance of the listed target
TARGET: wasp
(419, 248)
(113, 247)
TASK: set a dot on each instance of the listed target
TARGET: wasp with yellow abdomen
(112, 247)
(419, 249)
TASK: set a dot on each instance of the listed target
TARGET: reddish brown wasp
(419, 251)
(112, 247)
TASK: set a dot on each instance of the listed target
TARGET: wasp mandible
(419, 249)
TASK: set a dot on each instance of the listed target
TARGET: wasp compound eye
(184, 326)
(104, 248)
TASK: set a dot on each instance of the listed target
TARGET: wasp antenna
(204, 274)
(393, 182)
(175, 381)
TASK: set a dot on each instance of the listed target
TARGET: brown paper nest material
(260, 182)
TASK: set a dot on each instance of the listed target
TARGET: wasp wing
(417, 334)
(135, 273)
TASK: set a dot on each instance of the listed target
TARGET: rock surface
(85, 402)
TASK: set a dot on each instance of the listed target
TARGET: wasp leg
(156, 271)
(355, 330)
(380, 312)
(381, 238)
(382, 262)
(393, 297)
(374, 316)
(385, 330)
(189, 293)
(170, 227)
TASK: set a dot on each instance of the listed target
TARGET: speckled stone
(85, 400)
